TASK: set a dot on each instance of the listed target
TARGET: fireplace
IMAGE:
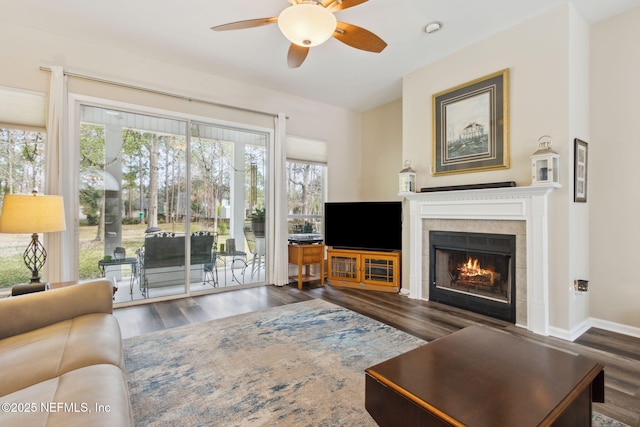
(521, 211)
(474, 271)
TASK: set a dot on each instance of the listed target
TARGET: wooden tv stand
(481, 377)
(361, 269)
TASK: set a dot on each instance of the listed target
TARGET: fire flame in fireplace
(471, 270)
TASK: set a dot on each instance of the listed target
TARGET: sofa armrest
(24, 313)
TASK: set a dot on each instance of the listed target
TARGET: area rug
(297, 365)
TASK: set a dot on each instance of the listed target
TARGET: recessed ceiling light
(432, 27)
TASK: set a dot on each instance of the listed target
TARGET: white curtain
(278, 262)
(53, 170)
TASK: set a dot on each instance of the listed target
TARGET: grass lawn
(13, 271)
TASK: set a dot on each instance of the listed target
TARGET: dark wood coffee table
(481, 377)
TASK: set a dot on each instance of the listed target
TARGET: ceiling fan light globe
(306, 24)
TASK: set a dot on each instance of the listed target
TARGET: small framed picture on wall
(580, 171)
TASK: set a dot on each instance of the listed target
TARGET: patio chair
(257, 247)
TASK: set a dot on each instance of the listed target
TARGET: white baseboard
(615, 327)
(591, 322)
(570, 335)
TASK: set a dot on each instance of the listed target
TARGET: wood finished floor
(620, 354)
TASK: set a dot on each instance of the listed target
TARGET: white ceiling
(179, 32)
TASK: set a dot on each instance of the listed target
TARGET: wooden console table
(305, 255)
(482, 377)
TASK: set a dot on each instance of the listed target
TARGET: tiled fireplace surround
(521, 211)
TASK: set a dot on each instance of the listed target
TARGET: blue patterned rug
(297, 365)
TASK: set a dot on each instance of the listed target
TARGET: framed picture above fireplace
(471, 126)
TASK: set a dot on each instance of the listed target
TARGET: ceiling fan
(308, 23)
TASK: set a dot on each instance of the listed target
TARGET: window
(305, 191)
(22, 159)
(22, 156)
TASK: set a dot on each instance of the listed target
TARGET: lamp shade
(307, 24)
(23, 213)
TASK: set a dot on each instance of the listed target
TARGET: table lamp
(23, 214)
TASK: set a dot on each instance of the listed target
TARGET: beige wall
(614, 150)
(341, 128)
(571, 81)
(578, 213)
(382, 151)
(546, 56)
(548, 60)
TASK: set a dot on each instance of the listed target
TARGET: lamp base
(34, 258)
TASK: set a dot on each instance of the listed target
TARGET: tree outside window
(305, 190)
(22, 159)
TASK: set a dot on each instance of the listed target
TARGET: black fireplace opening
(474, 271)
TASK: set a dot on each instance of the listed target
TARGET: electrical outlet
(581, 285)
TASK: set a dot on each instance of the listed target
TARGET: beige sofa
(61, 360)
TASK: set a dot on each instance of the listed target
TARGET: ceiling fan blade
(336, 5)
(241, 25)
(359, 38)
(297, 55)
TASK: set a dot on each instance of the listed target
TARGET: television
(363, 225)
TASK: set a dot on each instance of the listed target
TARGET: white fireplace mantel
(527, 204)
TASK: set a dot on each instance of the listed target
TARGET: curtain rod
(159, 92)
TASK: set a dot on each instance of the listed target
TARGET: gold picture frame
(471, 126)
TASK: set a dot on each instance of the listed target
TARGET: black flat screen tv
(363, 225)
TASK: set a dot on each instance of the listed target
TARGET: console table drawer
(311, 255)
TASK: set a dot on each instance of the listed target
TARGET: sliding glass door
(165, 203)
(132, 199)
(228, 183)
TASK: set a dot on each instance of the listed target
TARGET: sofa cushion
(50, 351)
(92, 396)
(28, 312)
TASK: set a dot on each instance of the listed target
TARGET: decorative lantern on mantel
(545, 164)
(407, 179)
